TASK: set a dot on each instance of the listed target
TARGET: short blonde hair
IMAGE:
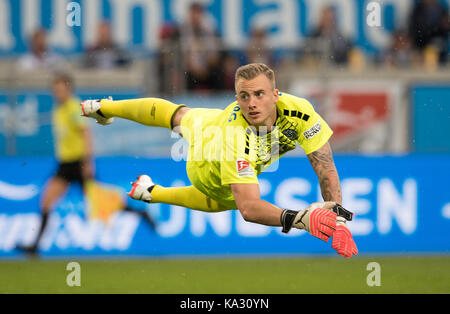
(252, 70)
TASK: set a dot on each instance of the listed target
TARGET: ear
(276, 94)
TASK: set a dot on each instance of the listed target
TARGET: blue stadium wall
(401, 206)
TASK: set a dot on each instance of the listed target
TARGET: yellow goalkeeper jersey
(224, 149)
(69, 141)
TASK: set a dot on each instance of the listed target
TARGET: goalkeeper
(229, 148)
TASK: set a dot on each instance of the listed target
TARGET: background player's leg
(54, 190)
(188, 197)
(149, 111)
(143, 214)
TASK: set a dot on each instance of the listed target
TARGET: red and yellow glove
(342, 240)
(318, 219)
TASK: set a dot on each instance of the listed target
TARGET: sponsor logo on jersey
(311, 132)
(244, 169)
(290, 134)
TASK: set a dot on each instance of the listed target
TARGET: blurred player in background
(267, 124)
(73, 149)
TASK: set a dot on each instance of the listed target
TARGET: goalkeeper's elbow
(248, 214)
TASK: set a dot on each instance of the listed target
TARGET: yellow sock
(149, 111)
(188, 197)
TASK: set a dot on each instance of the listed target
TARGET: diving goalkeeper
(229, 148)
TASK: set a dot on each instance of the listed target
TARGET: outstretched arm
(252, 207)
(318, 218)
(322, 162)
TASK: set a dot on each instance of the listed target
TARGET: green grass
(250, 275)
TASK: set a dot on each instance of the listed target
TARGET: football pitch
(256, 275)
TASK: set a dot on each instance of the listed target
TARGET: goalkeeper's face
(257, 99)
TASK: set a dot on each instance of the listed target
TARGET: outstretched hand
(343, 241)
(318, 219)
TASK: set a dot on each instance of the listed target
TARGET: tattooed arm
(322, 162)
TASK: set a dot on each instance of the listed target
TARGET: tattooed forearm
(322, 162)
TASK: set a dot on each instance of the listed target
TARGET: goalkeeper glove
(141, 189)
(318, 219)
(342, 240)
(91, 109)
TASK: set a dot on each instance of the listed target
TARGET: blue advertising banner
(72, 25)
(401, 205)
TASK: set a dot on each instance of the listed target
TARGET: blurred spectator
(429, 26)
(105, 54)
(327, 40)
(230, 65)
(258, 50)
(400, 53)
(39, 57)
(170, 60)
(202, 51)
